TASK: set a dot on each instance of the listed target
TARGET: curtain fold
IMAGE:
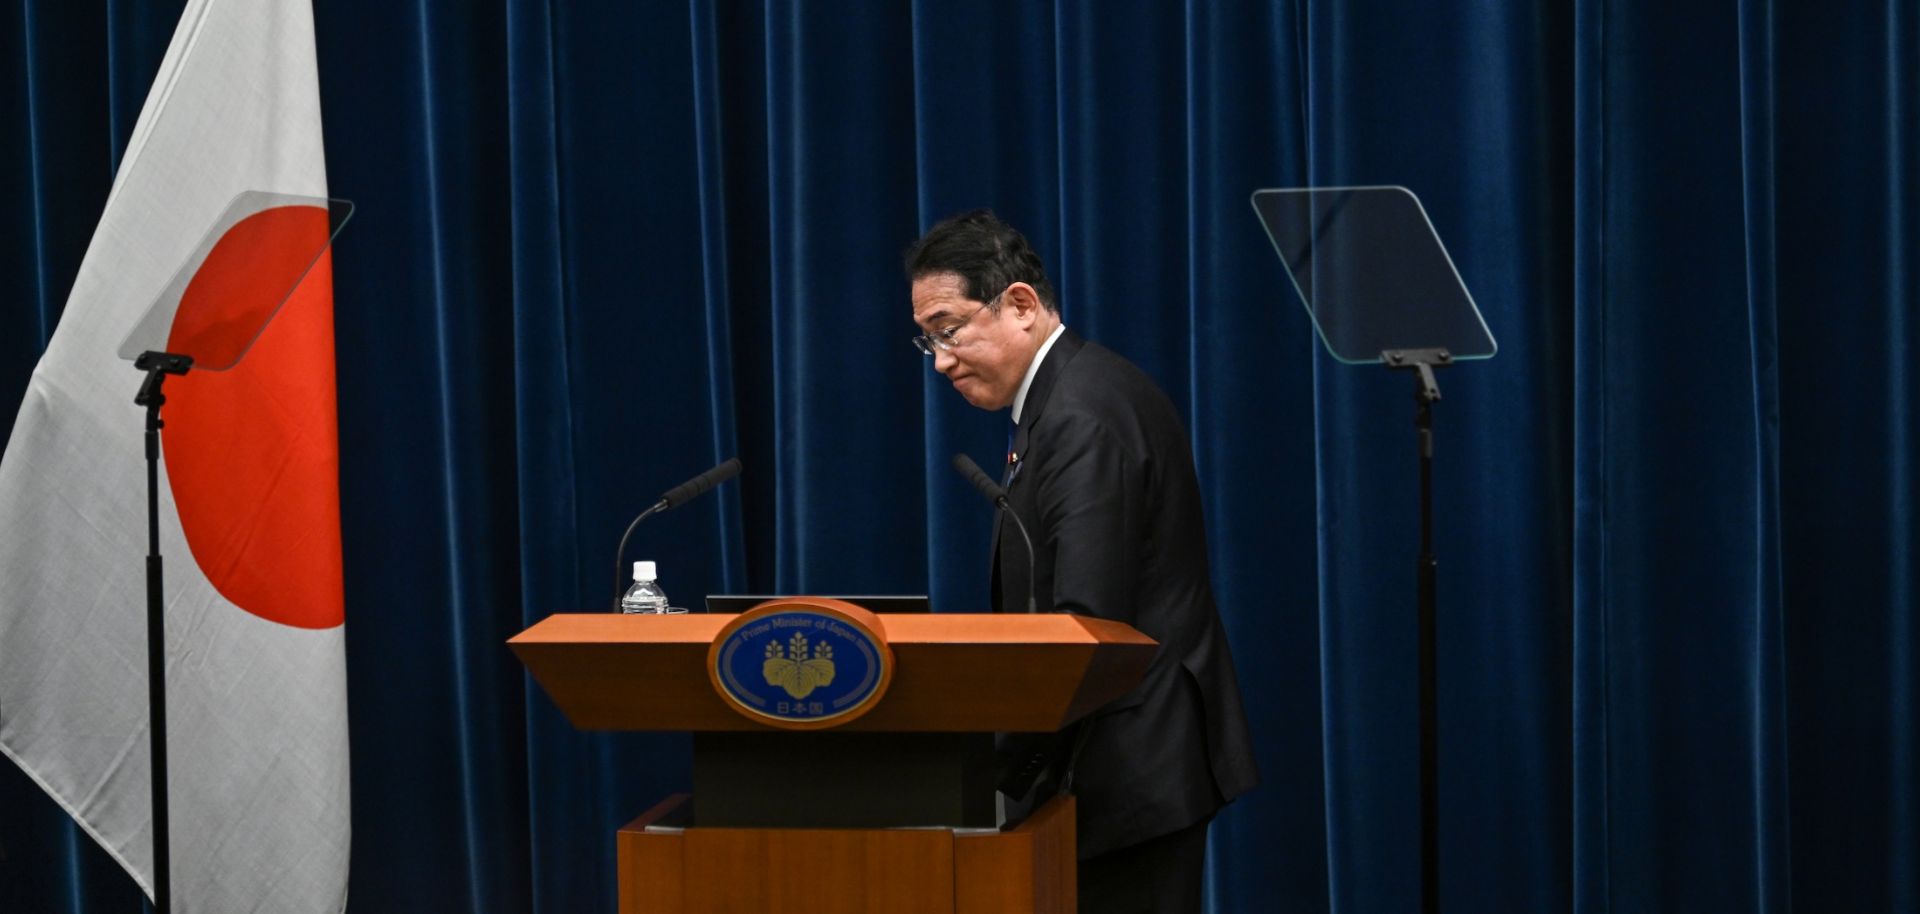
(1249, 369)
(1770, 773)
(1680, 717)
(710, 167)
(840, 167)
(599, 249)
(1846, 158)
(544, 443)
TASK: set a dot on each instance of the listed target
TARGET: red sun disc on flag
(252, 453)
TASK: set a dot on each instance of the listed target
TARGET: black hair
(987, 254)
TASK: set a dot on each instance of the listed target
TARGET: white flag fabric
(249, 508)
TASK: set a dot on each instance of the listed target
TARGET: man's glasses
(941, 340)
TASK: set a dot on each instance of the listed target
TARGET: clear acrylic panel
(1372, 272)
(245, 267)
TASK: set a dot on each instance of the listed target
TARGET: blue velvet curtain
(600, 247)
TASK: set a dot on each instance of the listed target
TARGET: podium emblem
(801, 662)
(791, 669)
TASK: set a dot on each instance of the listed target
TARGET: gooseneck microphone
(674, 498)
(698, 485)
(991, 490)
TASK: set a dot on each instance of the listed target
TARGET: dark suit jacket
(1104, 479)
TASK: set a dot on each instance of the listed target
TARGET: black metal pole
(1429, 699)
(157, 365)
(157, 667)
(1426, 392)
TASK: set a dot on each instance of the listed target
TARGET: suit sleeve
(1088, 490)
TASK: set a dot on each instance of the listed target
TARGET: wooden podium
(890, 810)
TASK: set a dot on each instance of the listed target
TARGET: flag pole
(157, 365)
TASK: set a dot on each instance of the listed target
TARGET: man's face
(991, 348)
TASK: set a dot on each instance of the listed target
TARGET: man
(1100, 470)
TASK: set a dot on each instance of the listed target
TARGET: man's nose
(943, 360)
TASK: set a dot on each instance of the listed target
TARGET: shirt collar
(1020, 397)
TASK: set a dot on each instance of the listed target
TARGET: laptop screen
(896, 603)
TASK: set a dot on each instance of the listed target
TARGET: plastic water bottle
(645, 596)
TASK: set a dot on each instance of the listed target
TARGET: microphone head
(982, 483)
(698, 485)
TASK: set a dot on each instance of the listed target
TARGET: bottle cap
(644, 571)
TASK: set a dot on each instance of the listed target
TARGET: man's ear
(1025, 301)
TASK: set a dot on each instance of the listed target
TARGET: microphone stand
(157, 365)
(619, 555)
(1007, 511)
(992, 492)
(674, 497)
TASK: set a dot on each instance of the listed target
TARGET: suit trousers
(1157, 876)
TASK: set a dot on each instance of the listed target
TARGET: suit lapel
(1044, 380)
(1063, 351)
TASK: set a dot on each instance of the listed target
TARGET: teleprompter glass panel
(251, 260)
(1372, 272)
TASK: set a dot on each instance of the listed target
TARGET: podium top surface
(953, 672)
(902, 628)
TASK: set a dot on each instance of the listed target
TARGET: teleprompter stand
(1381, 289)
(1422, 362)
(157, 365)
(220, 300)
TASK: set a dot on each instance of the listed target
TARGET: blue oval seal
(801, 662)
